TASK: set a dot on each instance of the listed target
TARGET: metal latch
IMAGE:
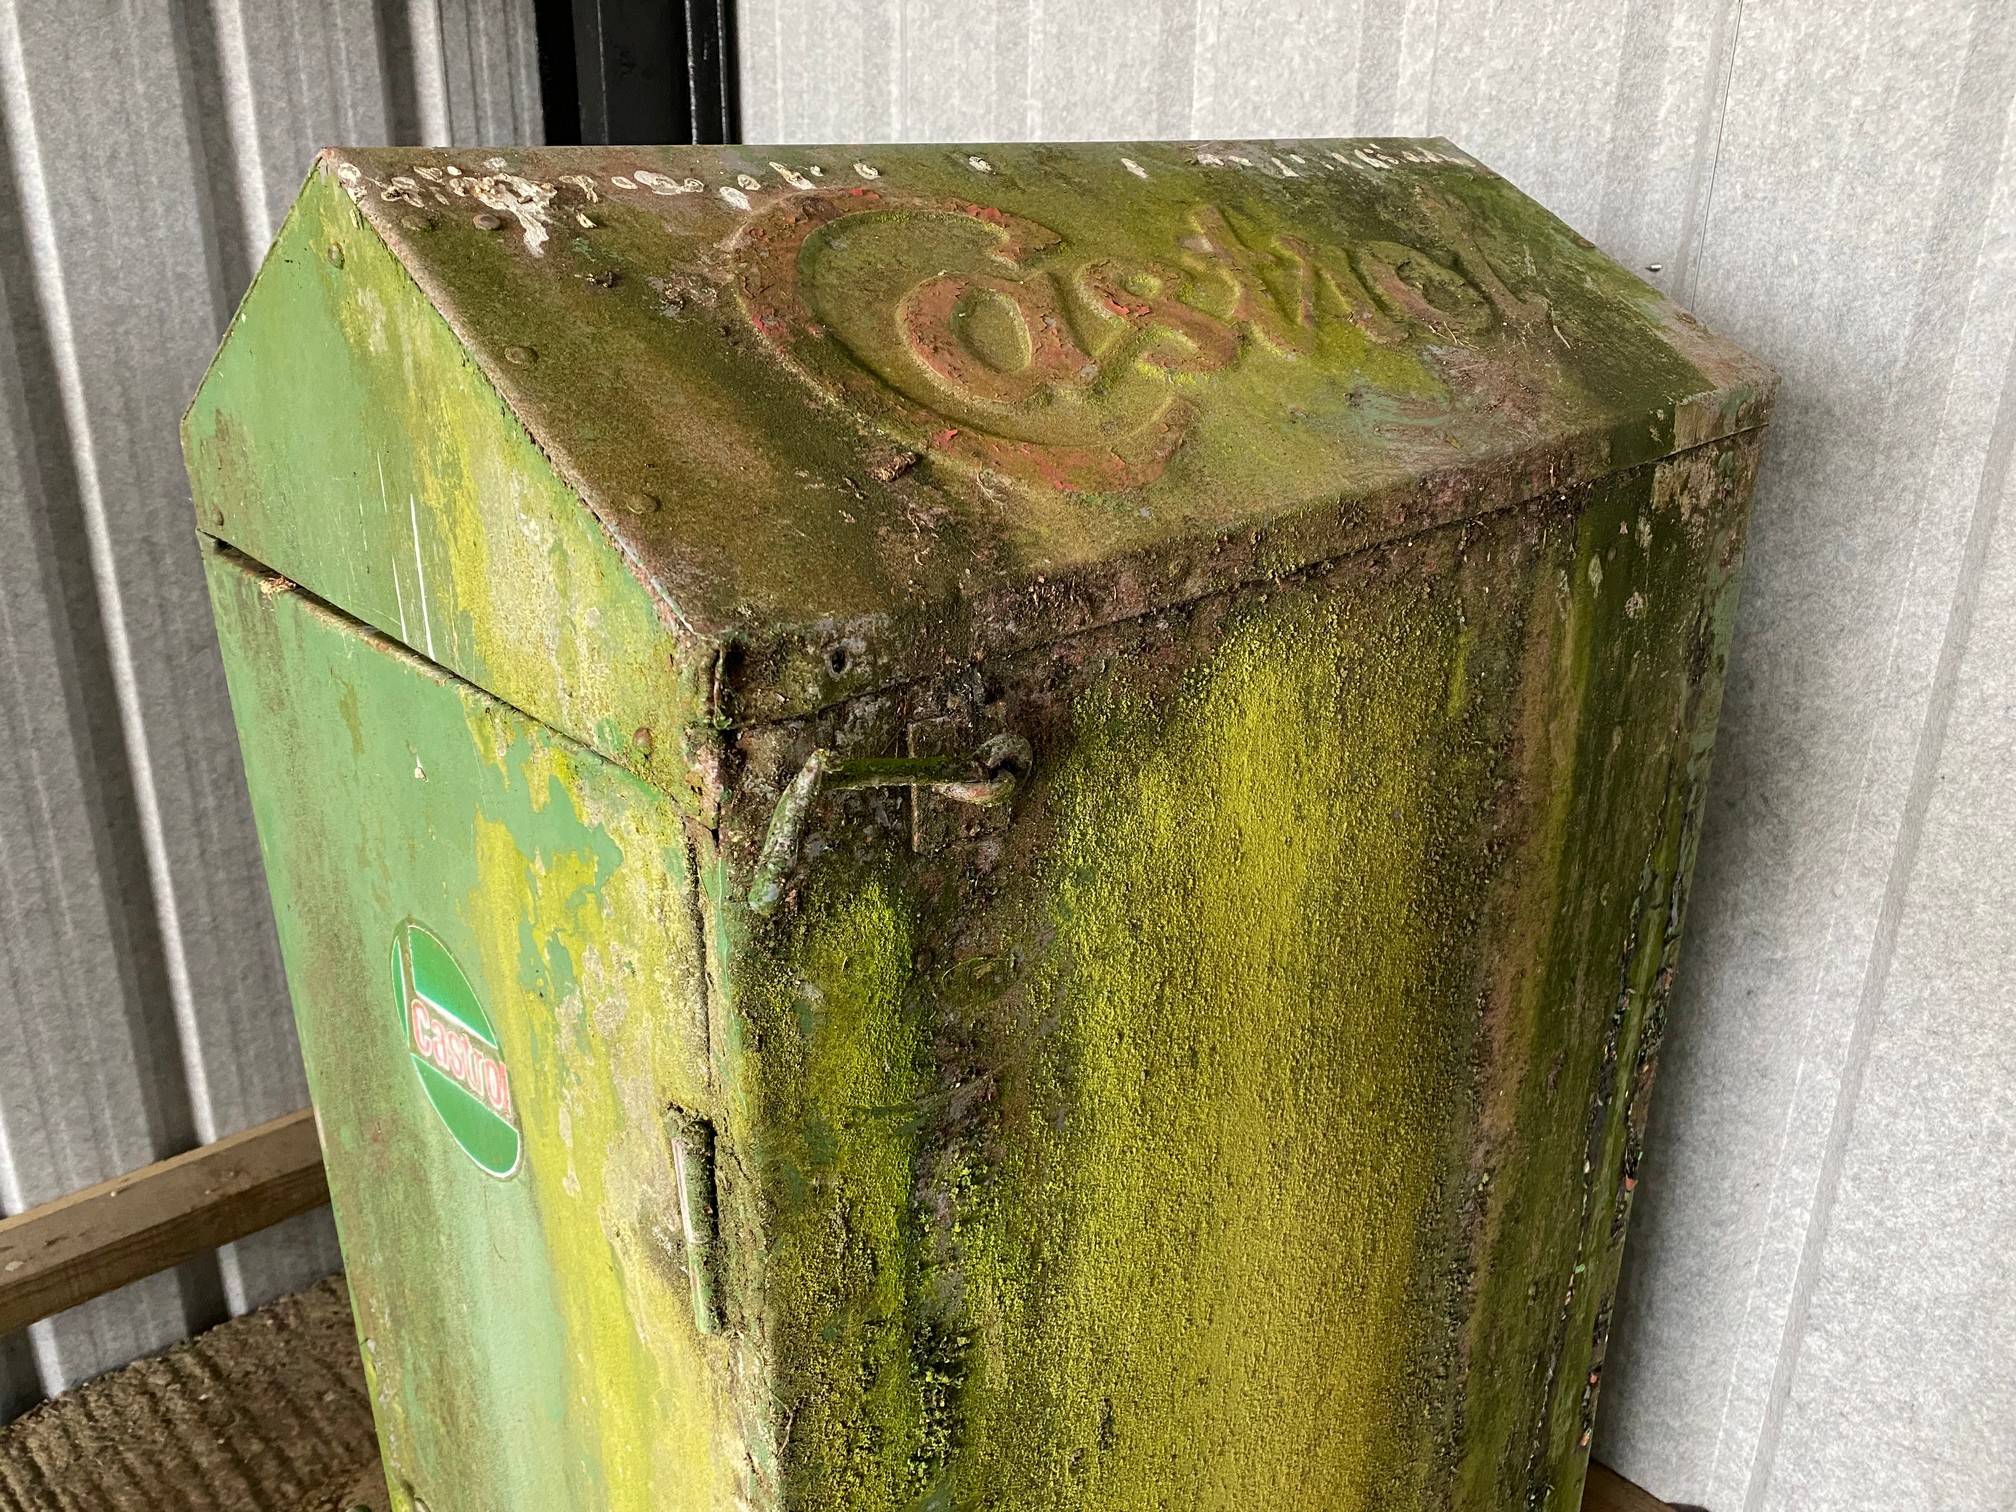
(989, 775)
(692, 1139)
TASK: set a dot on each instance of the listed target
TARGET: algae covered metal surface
(840, 412)
(1001, 828)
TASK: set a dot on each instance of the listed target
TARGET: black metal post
(639, 71)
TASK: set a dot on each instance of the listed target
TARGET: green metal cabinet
(994, 828)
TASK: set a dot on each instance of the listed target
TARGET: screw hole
(837, 659)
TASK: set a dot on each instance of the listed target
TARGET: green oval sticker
(454, 1050)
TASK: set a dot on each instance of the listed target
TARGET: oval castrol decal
(454, 1050)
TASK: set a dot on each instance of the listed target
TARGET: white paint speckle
(795, 180)
(495, 165)
(979, 164)
(1133, 167)
(348, 173)
(582, 182)
(748, 181)
(432, 175)
(524, 201)
(1286, 171)
(622, 183)
(398, 593)
(866, 171)
(581, 220)
(1210, 159)
(658, 183)
(735, 197)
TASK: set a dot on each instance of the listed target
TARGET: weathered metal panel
(477, 72)
(529, 1340)
(148, 152)
(1249, 280)
(1266, 1075)
(1917, 1256)
(1831, 184)
(104, 207)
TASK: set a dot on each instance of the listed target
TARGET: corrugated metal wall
(1816, 1311)
(1815, 1308)
(149, 149)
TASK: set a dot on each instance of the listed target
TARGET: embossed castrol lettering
(1002, 344)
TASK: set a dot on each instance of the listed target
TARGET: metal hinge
(989, 775)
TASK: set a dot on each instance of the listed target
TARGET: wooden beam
(81, 1246)
(1607, 1491)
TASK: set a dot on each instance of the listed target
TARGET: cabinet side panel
(1606, 768)
(1248, 1113)
(490, 940)
(345, 437)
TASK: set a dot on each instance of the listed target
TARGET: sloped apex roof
(816, 387)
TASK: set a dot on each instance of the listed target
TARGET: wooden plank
(1607, 1491)
(81, 1246)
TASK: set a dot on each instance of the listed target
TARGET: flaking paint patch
(524, 201)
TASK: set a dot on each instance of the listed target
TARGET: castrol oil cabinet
(973, 827)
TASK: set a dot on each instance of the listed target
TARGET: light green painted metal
(1050, 787)
(529, 1339)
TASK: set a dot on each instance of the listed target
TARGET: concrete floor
(267, 1413)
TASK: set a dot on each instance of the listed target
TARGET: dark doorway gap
(638, 71)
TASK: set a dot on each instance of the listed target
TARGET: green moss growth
(1202, 1283)
(1186, 1251)
(841, 1081)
